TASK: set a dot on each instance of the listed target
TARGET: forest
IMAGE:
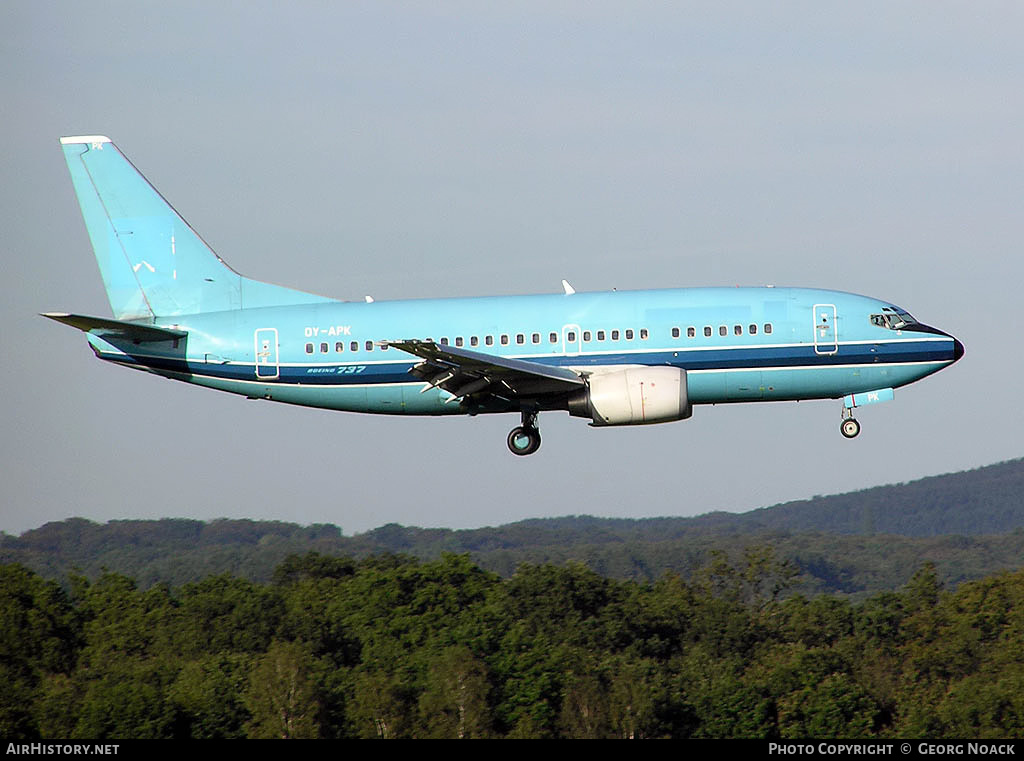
(390, 646)
(969, 525)
(889, 612)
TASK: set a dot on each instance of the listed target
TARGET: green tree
(39, 636)
(835, 706)
(126, 700)
(312, 565)
(634, 694)
(324, 613)
(383, 706)
(984, 707)
(209, 696)
(224, 614)
(57, 703)
(17, 691)
(585, 711)
(725, 703)
(281, 697)
(454, 703)
(122, 621)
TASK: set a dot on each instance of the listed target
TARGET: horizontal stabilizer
(104, 326)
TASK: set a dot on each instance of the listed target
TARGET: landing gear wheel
(850, 428)
(523, 440)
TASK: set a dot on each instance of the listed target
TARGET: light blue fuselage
(821, 344)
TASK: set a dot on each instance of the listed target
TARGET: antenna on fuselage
(569, 290)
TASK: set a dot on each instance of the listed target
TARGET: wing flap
(462, 372)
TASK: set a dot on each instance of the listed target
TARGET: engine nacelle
(634, 396)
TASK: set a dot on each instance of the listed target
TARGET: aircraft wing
(461, 372)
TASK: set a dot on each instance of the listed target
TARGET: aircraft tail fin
(153, 263)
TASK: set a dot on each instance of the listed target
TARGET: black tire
(849, 428)
(523, 441)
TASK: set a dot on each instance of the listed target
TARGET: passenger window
(722, 330)
(520, 338)
(339, 347)
(767, 327)
(570, 336)
(536, 338)
(586, 336)
(753, 329)
(675, 332)
(737, 330)
(323, 348)
(444, 340)
(600, 335)
(309, 348)
(369, 345)
(354, 346)
(691, 332)
(384, 347)
(643, 334)
(629, 335)
(489, 340)
(707, 331)
(504, 339)
(553, 338)
(615, 335)
(473, 340)
(458, 340)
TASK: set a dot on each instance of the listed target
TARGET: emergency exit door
(266, 353)
(825, 338)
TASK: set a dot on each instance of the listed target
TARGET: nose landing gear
(849, 427)
(525, 439)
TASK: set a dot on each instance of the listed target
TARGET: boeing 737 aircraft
(617, 358)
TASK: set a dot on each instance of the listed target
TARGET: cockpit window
(893, 318)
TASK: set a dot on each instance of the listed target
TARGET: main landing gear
(525, 439)
(849, 427)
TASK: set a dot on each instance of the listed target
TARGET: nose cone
(958, 348)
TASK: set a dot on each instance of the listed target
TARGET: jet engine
(634, 396)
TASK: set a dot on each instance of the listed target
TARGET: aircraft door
(825, 339)
(571, 340)
(266, 353)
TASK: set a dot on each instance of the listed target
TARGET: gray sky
(451, 149)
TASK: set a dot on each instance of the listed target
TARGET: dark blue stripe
(711, 359)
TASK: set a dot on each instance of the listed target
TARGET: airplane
(614, 358)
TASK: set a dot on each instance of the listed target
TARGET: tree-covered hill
(969, 524)
(987, 500)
